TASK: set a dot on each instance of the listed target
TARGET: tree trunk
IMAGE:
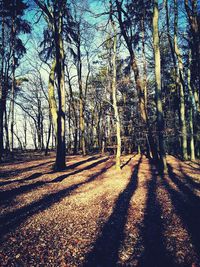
(81, 98)
(60, 152)
(48, 138)
(160, 117)
(181, 86)
(114, 96)
(52, 98)
(192, 13)
(191, 114)
(13, 79)
(140, 90)
(25, 132)
(2, 95)
(7, 146)
(72, 103)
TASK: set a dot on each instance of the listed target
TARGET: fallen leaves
(60, 222)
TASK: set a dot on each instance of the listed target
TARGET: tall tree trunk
(169, 35)
(192, 13)
(149, 137)
(13, 77)
(144, 60)
(191, 113)
(2, 95)
(60, 152)
(140, 90)
(72, 103)
(81, 97)
(114, 95)
(181, 86)
(160, 117)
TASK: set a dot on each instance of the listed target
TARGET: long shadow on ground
(8, 174)
(10, 221)
(7, 195)
(38, 174)
(187, 206)
(188, 179)
(154, 254)
(106, 248)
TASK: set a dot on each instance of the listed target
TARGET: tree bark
(51, 96)
(81, 97)
(13, 77)
(60, 152)
(191, 113)
(114, 95)
(72, 103)
(2, 95)
(160, 117)
(181, 86)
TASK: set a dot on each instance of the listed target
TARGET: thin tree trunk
(181, 86)
(7, 146)
(81, 97)
(19, 141)
(48, 138)
(160, 117)
(114, 95)
(13, 79)
(191, 113)
(72, 103)
(69, 128)
(25, 132)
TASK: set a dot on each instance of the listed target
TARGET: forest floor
(92, 215)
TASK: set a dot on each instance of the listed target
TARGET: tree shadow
(10, 221)
(22, 157)
(155, 254)
(106, 247)
(197, 163)
(74, 165)
(62, 177)
(31, 177)
(192, 167)
(36, 175)
(187, 206)
(8, 174)
(188, 179)
(127, 162)
(183, 187)
(7, 195)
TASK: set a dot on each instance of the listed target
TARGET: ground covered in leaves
(92, 215)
